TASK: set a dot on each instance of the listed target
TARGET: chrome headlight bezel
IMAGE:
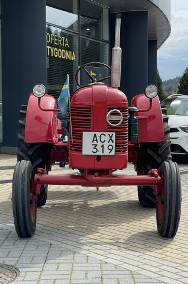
(39, 90)
(151, 91)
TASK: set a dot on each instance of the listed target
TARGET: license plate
(98, 143)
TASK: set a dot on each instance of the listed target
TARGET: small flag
(64, 97)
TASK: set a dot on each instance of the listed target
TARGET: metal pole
(116, 57)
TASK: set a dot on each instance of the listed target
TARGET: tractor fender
(150, 120)
(41, 126)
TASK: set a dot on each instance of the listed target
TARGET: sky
(173, 54)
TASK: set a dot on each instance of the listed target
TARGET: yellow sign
(62, 49)
(92, 74)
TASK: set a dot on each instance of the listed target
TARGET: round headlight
(39, 90)
(151, 91)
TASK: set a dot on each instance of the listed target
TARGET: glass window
(94, 20)
(1, 123)
(62, 59)
(1, 109)
(90, 27)
(65, 16)
(176, 106)
(67, 34)
(92, 50)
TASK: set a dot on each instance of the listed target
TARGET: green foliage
(183, 84)
(170, 86)
(159, 87)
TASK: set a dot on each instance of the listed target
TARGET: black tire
(41, 201)
(168, 208)
(146, 196)
(154, 155)
(24, 200)
(37, 153)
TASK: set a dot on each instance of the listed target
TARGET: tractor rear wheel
(168, 208)
(43, 195)
(24, 199)
(154, 155)
(37, 153)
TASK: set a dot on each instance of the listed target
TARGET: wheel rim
(32, 205)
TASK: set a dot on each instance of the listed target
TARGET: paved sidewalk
(85, 236)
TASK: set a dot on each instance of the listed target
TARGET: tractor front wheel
(37, 153)
(154, 154)
(24, 200)
(168, 200)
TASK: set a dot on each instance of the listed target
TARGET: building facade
(43, 41)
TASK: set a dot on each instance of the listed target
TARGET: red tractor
(104, 135)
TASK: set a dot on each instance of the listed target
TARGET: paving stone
(88, 281)
(183, 280)
(23, 281)
(47, 282)
(86, 266)
(125, 281)
(110, 281)
(93, 274)
(55, 277)
(32, 276)
(49, 266)
(85, 236)
(25, 259)
(55, 272)
(78, 275)
(170, 280)
(62, 281)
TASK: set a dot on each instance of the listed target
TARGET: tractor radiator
(121, 132)
(81, 120)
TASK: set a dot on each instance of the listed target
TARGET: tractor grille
(121, 132)
(81, 121)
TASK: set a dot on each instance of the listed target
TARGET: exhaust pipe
(116, 56)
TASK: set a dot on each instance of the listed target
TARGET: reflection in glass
(93, 51)
(90, 27)
(1, 122)
(94, 20)
(62, 59)
(1, 110)
(64, 38)
(62, 18)
(176, 106)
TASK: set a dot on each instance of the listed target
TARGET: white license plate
(98, 143)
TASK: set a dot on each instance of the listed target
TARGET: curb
(5, 181)
(184, 172)
(7, 167)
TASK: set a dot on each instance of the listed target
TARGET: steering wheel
(93, 80)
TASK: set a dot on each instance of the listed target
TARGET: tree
(183, 84)
(159, 87)
(169, 91)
